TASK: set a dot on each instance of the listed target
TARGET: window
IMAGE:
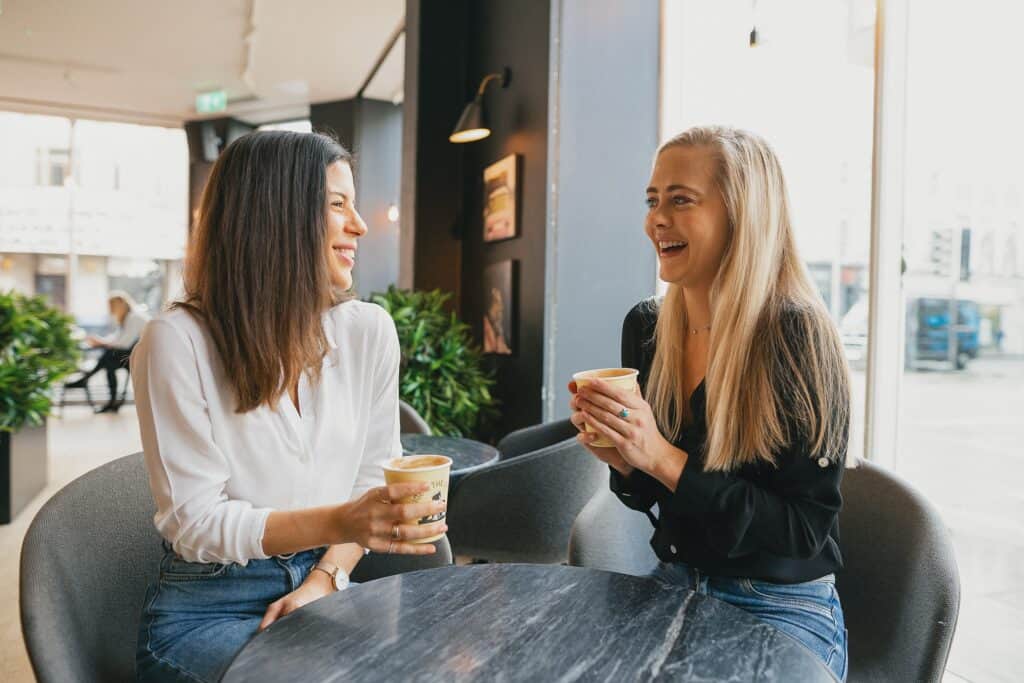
(962, 399)
(795, 88)
(52, 166)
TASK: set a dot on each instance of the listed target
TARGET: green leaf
(36, 351)
(443, 375)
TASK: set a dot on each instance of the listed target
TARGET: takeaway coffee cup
(623, 378)
(433, 469)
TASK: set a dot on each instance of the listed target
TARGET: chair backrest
(377, 566)
(87, 560)
(534, 438)
(608, 535)
(410, 421)
(900, 588)
(521, 510)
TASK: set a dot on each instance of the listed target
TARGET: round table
(467, 455)
(508, 622)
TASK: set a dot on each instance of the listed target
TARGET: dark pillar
(206, 140)
(435, 92)
(372, 131)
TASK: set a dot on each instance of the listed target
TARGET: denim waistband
(284, 557)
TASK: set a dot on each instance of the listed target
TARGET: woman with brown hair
(740, 435)
(266, 400)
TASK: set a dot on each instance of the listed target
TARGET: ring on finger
(391, 547)
(395, 533)
(624, 413)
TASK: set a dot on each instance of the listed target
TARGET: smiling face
(687, 220)
(344, 224)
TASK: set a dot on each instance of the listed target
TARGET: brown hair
(256, 273)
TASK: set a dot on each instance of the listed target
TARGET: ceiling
(144, 61)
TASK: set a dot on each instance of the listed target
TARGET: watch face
(340, 580)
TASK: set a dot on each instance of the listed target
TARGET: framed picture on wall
(499, 307)
(501, 199)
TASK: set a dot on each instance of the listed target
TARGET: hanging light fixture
(753, 31)
(472, 124)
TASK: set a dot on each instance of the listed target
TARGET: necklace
(695, 330)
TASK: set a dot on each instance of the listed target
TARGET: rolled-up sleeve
(187, 471)
(383, 438)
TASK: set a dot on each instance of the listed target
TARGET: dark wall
(337, 119)
(378, 181)
(513, 35)
(435, 82)
(450, 47)
(372, 131)
(582, 112)
(206, 139)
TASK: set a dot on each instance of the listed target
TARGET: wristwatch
(338, 576)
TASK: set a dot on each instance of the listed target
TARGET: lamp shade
(471, 125)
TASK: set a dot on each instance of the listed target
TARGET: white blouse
(127, 333)
(217, 474)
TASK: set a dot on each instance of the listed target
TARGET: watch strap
(331, 571)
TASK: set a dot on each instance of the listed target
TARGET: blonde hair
(776, 365)
(122, 296)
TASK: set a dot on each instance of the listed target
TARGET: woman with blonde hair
(117, 346)
(268, 403)
(740, 434)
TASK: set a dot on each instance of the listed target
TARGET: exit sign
(210, 102)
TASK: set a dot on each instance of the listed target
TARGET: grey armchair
(86, 562)
(900, 588)
(610, 536)
(522, 509)
(535, 438)
(410, 421)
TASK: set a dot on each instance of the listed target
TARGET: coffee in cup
(433, 469)
(623, 378)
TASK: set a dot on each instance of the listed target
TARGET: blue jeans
(809, 612)
(196, 617)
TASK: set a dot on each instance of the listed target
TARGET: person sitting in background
(117, 346)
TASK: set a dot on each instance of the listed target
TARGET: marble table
(509, 622)
(467, 455)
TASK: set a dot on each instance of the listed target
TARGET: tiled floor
(961, 442)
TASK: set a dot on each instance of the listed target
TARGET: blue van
(932, 335)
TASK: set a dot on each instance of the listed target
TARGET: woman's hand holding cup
(374, 522)
(609, 456)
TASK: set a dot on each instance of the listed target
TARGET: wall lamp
(472, 124)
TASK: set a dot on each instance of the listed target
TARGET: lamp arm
(503, 75)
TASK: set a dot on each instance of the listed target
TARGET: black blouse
(770, 522)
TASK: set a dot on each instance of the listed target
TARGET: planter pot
(23, 469)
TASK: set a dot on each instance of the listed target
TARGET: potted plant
(36, 350)
(443, 376)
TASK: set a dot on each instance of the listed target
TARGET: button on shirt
(216, 474)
